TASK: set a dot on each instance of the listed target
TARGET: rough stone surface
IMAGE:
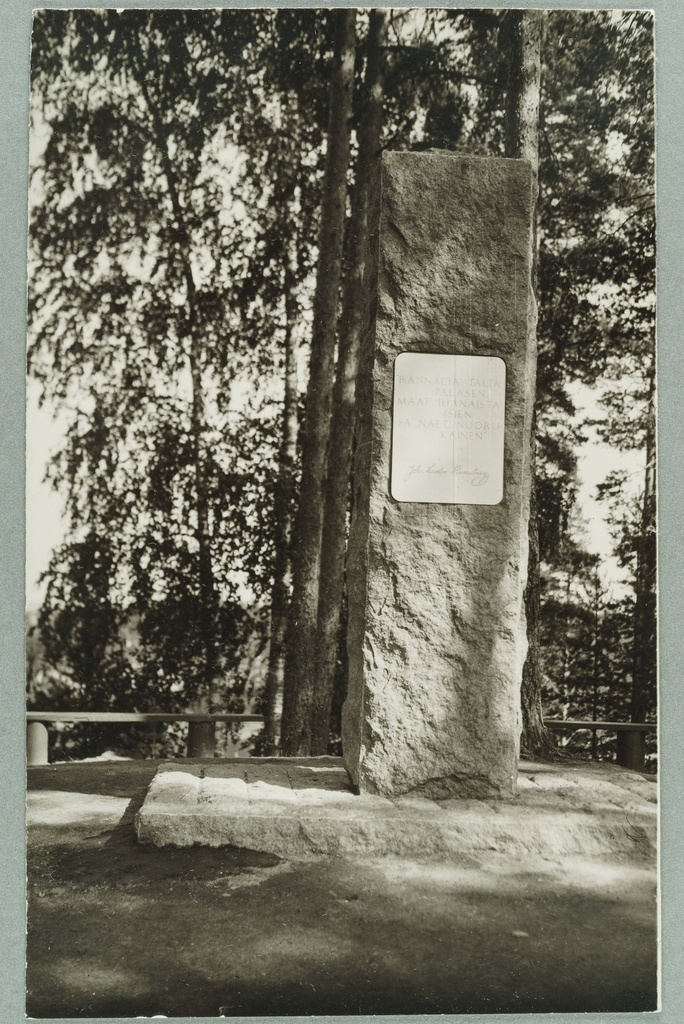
(436, 637)
(301, 811)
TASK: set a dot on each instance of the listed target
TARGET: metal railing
(631, 737)
(201, 727)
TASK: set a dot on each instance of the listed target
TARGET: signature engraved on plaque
(448, 428)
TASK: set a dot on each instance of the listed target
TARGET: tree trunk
(331, 586)
(300, 658)
(535, 738)
(207, 598)
(525, 31)
(207, 609)
(645, 641)
(282, 514)
(595, 662)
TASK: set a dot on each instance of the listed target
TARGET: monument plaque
(448, 428)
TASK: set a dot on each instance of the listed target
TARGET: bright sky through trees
(45, 529)
(178, 181)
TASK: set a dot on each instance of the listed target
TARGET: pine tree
(340, 444)
(307, 530)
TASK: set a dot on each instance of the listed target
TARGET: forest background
(174, 288)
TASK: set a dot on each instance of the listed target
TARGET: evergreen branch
(451, 75)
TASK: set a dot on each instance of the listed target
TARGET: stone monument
(438, 547)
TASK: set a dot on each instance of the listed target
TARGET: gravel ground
(118, 929)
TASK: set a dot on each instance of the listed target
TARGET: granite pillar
(436, 568)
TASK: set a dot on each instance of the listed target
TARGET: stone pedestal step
(301, 809)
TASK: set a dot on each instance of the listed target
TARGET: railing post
(36, 743)
(631, 750)
(201, 739)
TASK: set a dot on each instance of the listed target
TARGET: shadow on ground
(116, 929)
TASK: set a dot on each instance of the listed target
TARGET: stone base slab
(298, 809)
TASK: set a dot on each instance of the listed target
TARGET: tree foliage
(179, 178)
(145, 334)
